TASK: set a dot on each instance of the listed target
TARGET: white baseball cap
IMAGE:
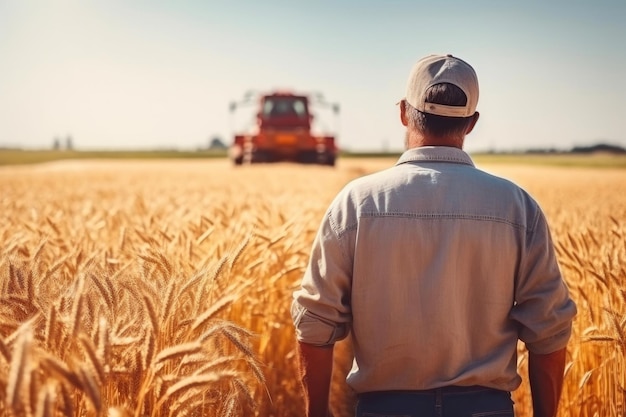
(437, 69)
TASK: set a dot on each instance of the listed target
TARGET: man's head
(440, 103)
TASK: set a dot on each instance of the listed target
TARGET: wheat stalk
(20, 367)
(45, 402)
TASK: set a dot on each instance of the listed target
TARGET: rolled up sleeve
(543, 307)
(321, 306)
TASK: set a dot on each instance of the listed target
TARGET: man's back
(437, 246)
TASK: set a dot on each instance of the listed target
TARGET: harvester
(282, 131)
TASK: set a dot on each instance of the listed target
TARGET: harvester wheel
(256, 157)
(326, 158)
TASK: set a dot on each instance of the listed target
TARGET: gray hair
(440, 126)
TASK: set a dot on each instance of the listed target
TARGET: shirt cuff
(315, 330)
(551, 344)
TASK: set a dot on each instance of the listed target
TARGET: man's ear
(403, 117)
(473, 123)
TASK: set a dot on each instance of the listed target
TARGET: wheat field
(162, 288)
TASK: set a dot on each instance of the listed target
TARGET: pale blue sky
(155, 74)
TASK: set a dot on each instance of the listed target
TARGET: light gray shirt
(437, 268)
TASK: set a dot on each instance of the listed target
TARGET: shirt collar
(436, 154)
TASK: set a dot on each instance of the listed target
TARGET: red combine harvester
(283, 132)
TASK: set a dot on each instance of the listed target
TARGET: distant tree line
(597, 148)
(69, 144)
(216, 143)
(602, 147)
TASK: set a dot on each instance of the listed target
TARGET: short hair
(440, 126)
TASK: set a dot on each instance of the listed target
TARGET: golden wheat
(163, 288)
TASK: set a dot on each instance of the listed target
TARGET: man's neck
(417, 139)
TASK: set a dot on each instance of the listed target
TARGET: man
(437, 269)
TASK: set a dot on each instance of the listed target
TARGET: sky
(140, 74)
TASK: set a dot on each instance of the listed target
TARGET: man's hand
(316, 367)
(546, 381)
